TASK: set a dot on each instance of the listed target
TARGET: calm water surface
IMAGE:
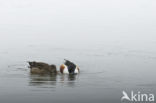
(112, 41)
(106, 70)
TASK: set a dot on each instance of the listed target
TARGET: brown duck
(42, 68)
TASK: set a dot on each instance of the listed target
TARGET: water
(113, 43)
(106, 70)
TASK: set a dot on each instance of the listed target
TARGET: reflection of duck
(51, 81)
(69, 80)
(42, 68)
(69, 68)
(71, 77)
(42, 80)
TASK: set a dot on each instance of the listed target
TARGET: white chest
(65, 70)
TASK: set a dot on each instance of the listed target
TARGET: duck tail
(67, 60)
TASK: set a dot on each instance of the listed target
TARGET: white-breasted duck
(69, 68)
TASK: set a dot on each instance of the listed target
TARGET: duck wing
(39, 65)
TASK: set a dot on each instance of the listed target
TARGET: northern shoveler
(69, 68)
(42, 68)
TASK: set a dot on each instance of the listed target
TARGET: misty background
(78, 22)
(112, 41)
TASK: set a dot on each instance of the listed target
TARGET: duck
(69, 68)
(42, 68)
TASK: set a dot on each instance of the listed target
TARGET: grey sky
(78, 20)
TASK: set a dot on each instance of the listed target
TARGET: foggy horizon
(111, 41)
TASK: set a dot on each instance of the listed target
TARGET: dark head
(71, 66)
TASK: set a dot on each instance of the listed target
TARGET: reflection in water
(68, 77)
(68, 80)
(71, 77)
(39, 80)
(52, 80)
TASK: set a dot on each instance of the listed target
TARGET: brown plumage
(42, 68)
(62, 68)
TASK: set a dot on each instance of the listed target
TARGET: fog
(112, 41)
(81, 21)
